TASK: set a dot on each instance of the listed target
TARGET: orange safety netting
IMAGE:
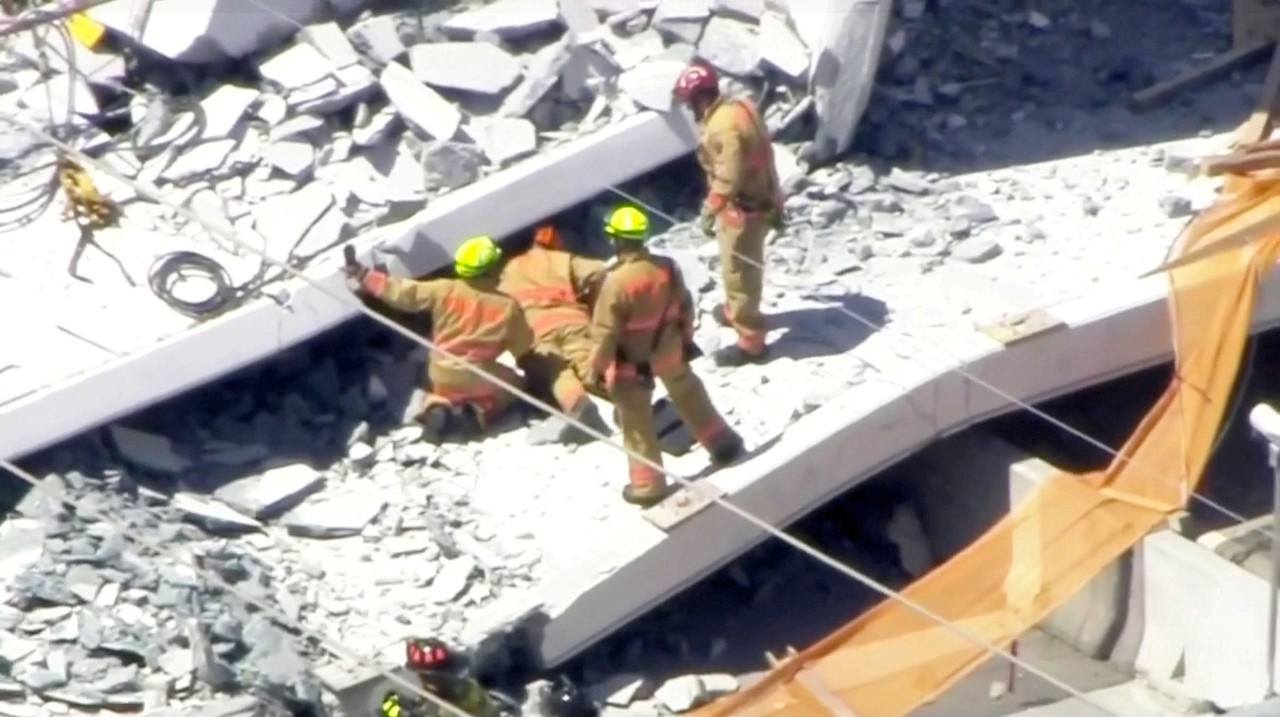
(891, 660)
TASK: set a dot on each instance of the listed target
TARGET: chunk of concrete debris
(338, 516)
(224, 109)
(214, 29)
(147, 450)
(781, 48)
(295, 158)
(976, 251)
(617, 691)
(329, 39)
(212, 514)
(579, 16)
(749, 10)
(479, 67)
(422, 108)
(682, 20)
(329, 230)
(503, 139)
(299, 69)
(731, 46)
(541, 73)
(21, 545)
(378, 37)
(628, 51)
(371, 128)
(450, 165)
(452, 580)
(508, 19)
(285, 219)
(271, 491)
(683, 693)
(787, 164)
(649, 84)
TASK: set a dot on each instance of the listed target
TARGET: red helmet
(427, 654)
(697, 79)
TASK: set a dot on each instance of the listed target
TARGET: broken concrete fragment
(503, 139)
(749, 10)
(451, 164)
(370, 128)
(452, 580)
(351, 84)
(508, 19)
(378, 37)
(630, 51)
(329, 39)
(224, 108)
(731, 46)
(787, 164)
(650, 84)
(579, 16)
(284, 220)
(334, 517)
(781, 48)
(479, 67)
(272, 491)
(295, 126)
(681, 10)
(681, 694)
(146, 450)
(327, 232)
(211, 513)
(21, 545)
(541, 74)
(422, 108)
(210, 30)
(199, 160)
(293, 157)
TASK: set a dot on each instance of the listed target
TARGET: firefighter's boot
(436, 421)
(645, 495)
(727, 448)
(465, 421)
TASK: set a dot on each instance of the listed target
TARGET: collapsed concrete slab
(497, 205)
(844, 37)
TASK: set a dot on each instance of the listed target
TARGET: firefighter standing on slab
(744, 201)
(641, 321)
(470, 319)
(554, 287)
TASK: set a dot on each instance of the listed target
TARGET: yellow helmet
(476, 256)
(627, 223)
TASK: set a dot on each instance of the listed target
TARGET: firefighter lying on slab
(555, 289)
(471, 320)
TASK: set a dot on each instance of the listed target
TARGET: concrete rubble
(301, 484)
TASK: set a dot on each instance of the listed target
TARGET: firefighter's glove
(707, 222)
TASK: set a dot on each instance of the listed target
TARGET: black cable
(171, 268)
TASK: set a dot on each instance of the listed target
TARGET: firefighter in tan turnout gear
(642, 320)
(471, 320)
(744, 201)
(554, 288)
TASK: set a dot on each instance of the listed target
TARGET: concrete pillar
(969, 482)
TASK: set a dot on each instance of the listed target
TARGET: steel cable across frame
(354, 303)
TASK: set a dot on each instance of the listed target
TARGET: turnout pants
(741, 237)
(452, 385)
(633, 397)
(560, 363)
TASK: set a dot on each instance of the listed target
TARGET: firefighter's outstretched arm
(402, 294)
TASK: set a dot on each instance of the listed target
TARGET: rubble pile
(357, 121)
(90, 620)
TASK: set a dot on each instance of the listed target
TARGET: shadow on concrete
(826, 330)
(985, 85)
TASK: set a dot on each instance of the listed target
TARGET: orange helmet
(548, 237)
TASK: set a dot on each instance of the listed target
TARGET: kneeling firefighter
(471, 320)
(642, 323)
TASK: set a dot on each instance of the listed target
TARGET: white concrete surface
(70, 384)
(1110, 334)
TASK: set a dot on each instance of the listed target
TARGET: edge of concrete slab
(497, 205)
(864, 431)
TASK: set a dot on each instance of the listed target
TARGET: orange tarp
(891, 660)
